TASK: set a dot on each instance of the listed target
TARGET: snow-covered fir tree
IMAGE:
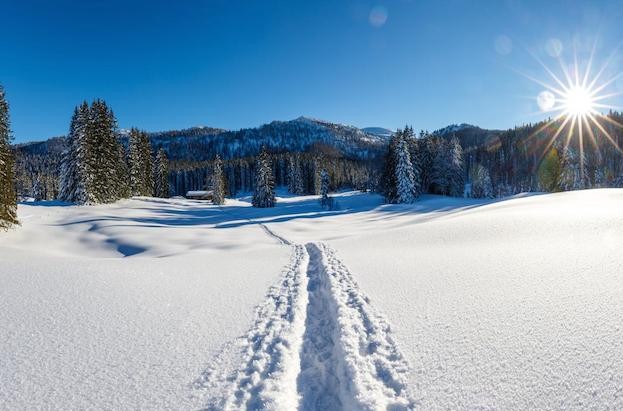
(73, 163)
(325, 200)
(456, 171)
(574, 173)
(8, 199)
(317, 177)
(141, 163)
(123, 174)
(481, 182)
(440, 168)
(217, 182)
(389, 183)
(405, 179)
(264, 194)
(161, 177)
(93, 167)
(295, 177)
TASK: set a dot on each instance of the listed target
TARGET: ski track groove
(316, 344)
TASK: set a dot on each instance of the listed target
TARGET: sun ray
(603, 130)
(590, 64)
(577, 97)
(550, 72)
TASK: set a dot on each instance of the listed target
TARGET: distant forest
(488, 163)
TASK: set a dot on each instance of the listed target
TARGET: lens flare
(576, 97)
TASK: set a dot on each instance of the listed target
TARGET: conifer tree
(389, 183)
(325, 200)
(141, 164)
(295, 175)
(73, 164)
(123, 174)
(8, 198)
(456, 173)
(405, 179)
(481, 182)
(317, 177)
(441, 166)
(162, 175)
(264, 194)
(217, 182)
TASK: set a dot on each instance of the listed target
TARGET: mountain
(379, 131)
(470, 136)
(203, 143)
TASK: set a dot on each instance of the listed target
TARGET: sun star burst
(576, 100)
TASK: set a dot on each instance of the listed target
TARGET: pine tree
(441, 166)
(8, 198)
(141, 164)
(573, 170)
(456, 173)
(405, 179)
(317, 177)
(325, 200)
(295, 177)
(162, 175)
(389, 183)
(217, 183)
(481, 182)
(123, 174)
(264, 194)
(136, 166)
(148, 165)
(73, 164)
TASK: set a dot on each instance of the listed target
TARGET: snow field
(149, 304)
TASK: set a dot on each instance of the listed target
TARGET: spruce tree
(389, 183)
(264, 194)
(481, 182)
(456, 172)
(162, 175)
(405, 179)
(441, 166)
(8, 198)
(217, 183)
(148, 165)
(136, 163)
(325, 200)
(123, 174)
(73, 163)
(141, 164)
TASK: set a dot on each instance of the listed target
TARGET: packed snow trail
(267, 377)
(316, 344)
(349, 360)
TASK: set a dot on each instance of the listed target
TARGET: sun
(577, 97)
(578, 101)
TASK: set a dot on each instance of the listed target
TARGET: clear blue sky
(228, 63)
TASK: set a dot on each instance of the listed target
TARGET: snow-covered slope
(443, 304)
(379, 131)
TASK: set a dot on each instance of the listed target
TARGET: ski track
(316, 344)
(270, 365)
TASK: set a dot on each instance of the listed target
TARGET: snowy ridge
(270, 365)
(316, 344)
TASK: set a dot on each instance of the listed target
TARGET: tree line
(100, 165)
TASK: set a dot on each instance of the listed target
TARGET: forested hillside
(534, 157)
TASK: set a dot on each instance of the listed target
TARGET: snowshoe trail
(270, 350)
(316, 344)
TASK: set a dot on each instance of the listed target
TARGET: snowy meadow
(446, 303)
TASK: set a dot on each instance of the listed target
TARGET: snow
(441, 304)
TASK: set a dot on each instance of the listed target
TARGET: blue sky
(232, 64)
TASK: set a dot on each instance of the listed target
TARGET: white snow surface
(441, 304)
